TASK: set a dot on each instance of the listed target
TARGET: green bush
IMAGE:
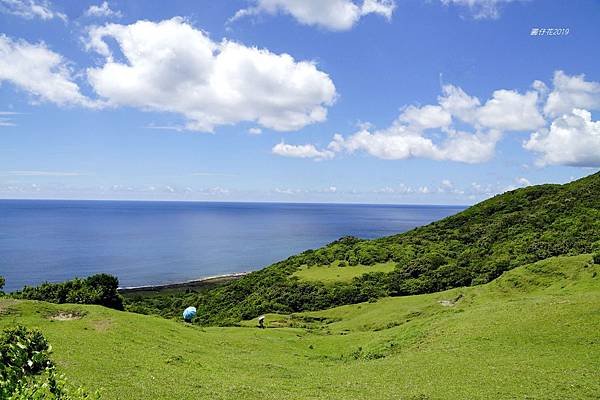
(596, 258)
(98, 289)
(26, 372)
(24, 351)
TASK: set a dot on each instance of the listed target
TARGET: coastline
(194, 283)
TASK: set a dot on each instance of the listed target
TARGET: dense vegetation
(472, 247)
(98, 289)
(530, 334)
(26, 371)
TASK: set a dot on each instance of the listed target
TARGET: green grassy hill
(532, 333)
(469, 248)
(339, 273)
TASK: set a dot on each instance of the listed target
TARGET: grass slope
(532, 333)
(335, 273)
(470, 248)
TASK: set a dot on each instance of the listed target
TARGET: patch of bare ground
(6, 306)
(451, 302)
(66, 316)
(102, 325)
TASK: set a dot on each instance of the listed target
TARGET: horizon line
(238, 202)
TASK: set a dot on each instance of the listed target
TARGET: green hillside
(532, 333)
(338, 272)
(472, 247)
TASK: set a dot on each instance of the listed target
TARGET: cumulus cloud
(432, 131)
(301, 151)
(426, 117)
(571, 92)
(572, 139)
(335, 15)
(397, 143)
(509, 110)
(480, 9)
(411, 136)
(102, 11)
(40, 72)
(171, 66)
(30, 9)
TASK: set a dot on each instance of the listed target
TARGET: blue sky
(433, 102)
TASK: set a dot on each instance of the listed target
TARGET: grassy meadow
(336, 273)
(532, 333)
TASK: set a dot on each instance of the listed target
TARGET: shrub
(24, 351)
(596, 257)
(98, 289)
(26, 372)
(2, 282)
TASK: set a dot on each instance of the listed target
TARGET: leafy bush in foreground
(26, 372)
(98, 289)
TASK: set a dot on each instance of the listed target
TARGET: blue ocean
(145, 243)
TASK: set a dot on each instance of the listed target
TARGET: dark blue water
(159, 242)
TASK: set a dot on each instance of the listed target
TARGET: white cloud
(171, 66)
(102, 11)
(45, 173)
(523, 181)
(509, 110)
(6, 118)
(446, 183)
(335, 15)
(458, 103)
(7, 122)
(459, 128)
(301, 151)
(213, 174)
(571, 92)
(401, 189)
(426, 117)
(572, 139)
(30, 9)
(410, 135)
(287, 191)
(255, 131)
(479, 189)
(39, 71)
(397, 144)
(480, 9)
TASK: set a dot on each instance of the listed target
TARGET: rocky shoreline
(195, 283)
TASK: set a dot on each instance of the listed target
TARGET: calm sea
(161, 242)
